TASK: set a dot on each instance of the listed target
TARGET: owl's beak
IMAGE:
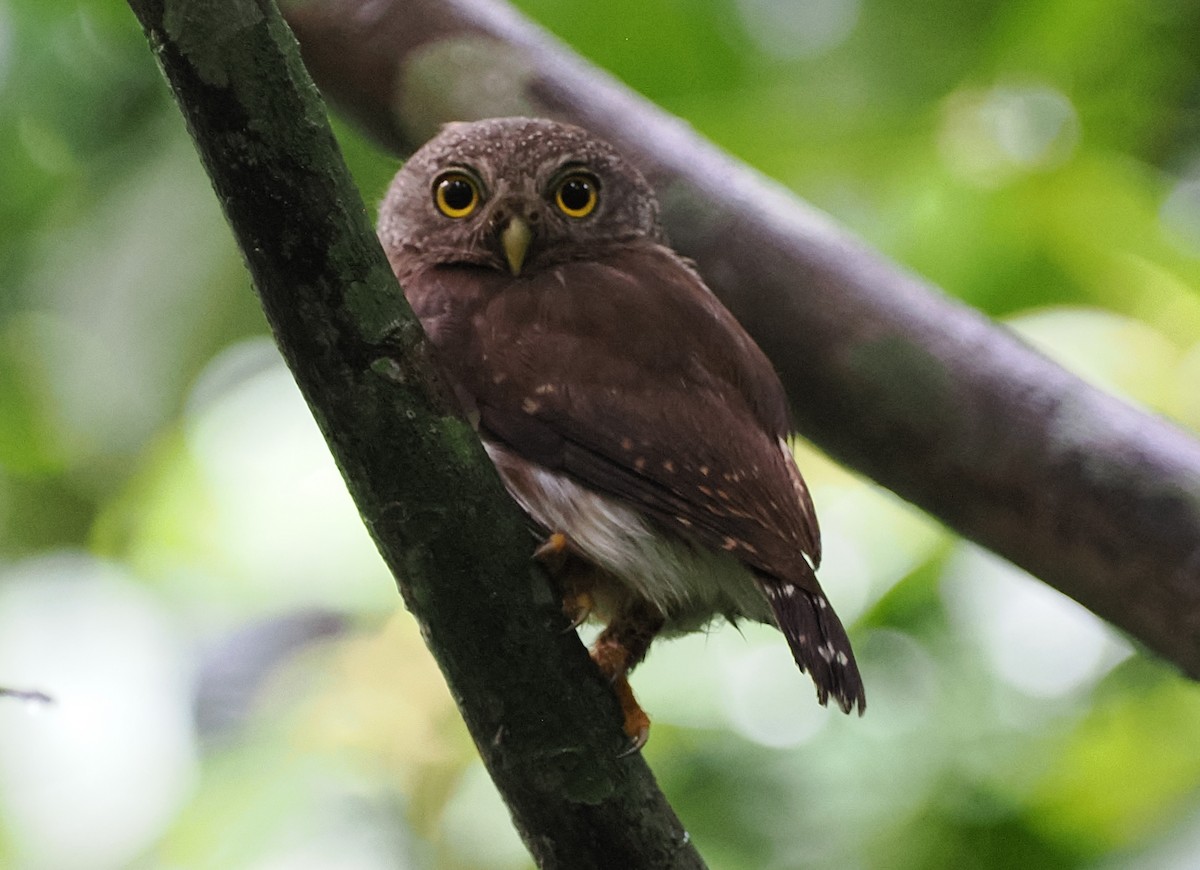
(515, 239)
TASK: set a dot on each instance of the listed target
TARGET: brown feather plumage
(607, 363)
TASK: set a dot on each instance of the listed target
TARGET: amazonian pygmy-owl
(627, 412)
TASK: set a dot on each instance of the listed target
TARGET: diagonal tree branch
(924, 394)
(430, 496)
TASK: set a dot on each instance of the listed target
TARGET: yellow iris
(455, 194)
(577, 195)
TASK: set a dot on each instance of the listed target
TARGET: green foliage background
(236, 684)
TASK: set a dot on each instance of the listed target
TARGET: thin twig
(30, 695)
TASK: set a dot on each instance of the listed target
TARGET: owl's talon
(577, 606)
(553, 552)
(636, 723)
(636, 741)
(555, 544)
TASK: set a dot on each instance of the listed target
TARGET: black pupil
(457, 193)
(576, 193)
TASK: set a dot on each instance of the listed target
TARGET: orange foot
(554, 552)
(614, 660)
(637, 723)
(575, 577)
(621, 645)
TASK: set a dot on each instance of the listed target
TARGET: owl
(627, 412)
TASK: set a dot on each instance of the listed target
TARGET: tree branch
(428, 493)
(27, 695)
(922, 393)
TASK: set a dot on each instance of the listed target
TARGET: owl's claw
(577, 607)
(622, 644)
(617, 650)
(553, 552)
(636, 723)
(636, 742)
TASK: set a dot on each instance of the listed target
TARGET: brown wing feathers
(665, 486)
(688, 428)
(693, 454)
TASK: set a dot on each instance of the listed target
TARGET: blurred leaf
(1128, 772)
(27, 438)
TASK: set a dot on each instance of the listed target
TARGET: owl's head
(513, 194)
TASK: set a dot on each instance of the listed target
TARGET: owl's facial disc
(516, 195)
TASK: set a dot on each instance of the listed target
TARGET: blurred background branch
(459, 548)
(887, 374)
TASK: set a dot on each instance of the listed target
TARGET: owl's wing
(658, 450)
(627, 375)
(631, 378)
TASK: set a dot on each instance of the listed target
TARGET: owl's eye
(577, 195)
(456, 194)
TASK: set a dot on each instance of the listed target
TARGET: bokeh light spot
(790, 29)
(284, 527)
(768, 700)
(1035, 638)
(94, 777)
(1180, 215)
(989, 137)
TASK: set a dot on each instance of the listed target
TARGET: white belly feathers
(688, 583)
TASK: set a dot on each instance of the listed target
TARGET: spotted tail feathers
(819, 643)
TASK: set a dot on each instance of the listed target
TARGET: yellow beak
(516, 238)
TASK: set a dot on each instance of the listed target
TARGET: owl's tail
(818, 641)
